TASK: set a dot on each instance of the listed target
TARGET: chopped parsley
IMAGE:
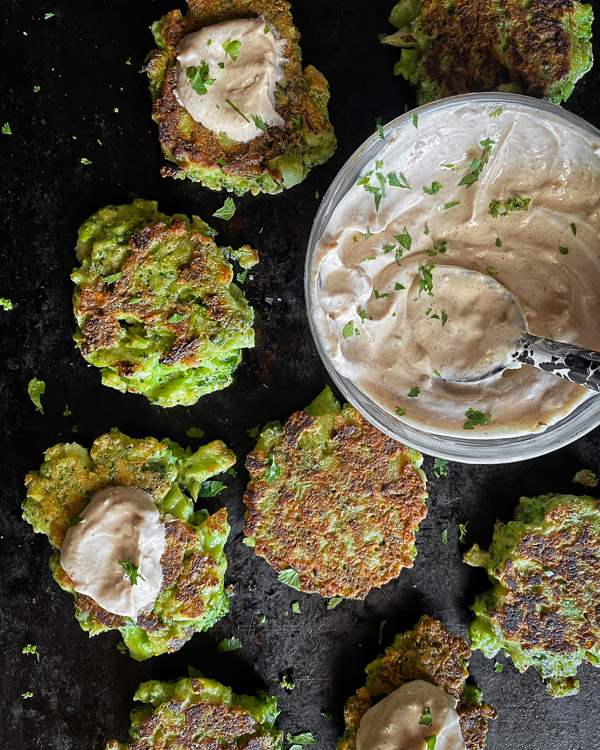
(67, 412)
(195, 432)
(259, 123)
(290, 577)
(198, 76)
(273, 471)
(430, 741)
(440, 467)
(445, 536)
(398, 180)
(426, 283)
(134, 300)
(426, 719)
(462, 528)
(378, 295)
(222, 161)
(296, 608)
(414, 392)
(477, 419)
(492, 271)
(112, 277)
(362, 315)
(496, 113)
(6, 304)
(237, 110)
(504, 208)
(382, 625)
(226, 211)
(297, 121)
(35, 390)
(439, 246)
(249, 541)
(498, 667)
(574, 229)
(416, 120)
(478, 164)
(449, 205)
(380, 128)
(47, 16)
(176, 318)
(398, 287)
(317, 194)
(304, 738)
(253, 432)
(26, 695)
(348, 329)
(74, 520)
(444, 318)
(498, 242)
(388, 248)
(404, 239)
(332, 603)
(241, 277)
(400, 412)
(229, 644)
(232, 48)
(85, 161)
(287, 683)
(210, 488)
(131, 571)
(36, 89)
(435, 188)
(31, 649)
(563, 250)
(426, 230)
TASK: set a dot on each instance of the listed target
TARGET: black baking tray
(93, 105)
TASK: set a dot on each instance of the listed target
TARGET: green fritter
(156, 306)
(192, 597)
(428, 652)
(196, 712)
(543, 608)
(534, 47)
(279, 158)
(333, 504)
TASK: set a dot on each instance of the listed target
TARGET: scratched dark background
(92, 104)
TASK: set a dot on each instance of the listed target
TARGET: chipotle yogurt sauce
(394, 323)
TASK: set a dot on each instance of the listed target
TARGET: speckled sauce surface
(82, 688)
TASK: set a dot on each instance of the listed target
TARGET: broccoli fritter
(192, 597)
(428, 652)
(279, 158)
(195, 712)
(536, 47)
(155, 305)
(333, 501)
(543, 607)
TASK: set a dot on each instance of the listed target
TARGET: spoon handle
(579, 365)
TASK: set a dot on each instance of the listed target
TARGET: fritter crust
(428, 652)
(539, 47)
(192, 596)
(345, 506)
(202, 714)
(543, 607)
(277, 159)
(155, 303)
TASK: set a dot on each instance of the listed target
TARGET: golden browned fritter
(333, 504)
(534, 47)
(543, 607)
(278, 158)
(428, 652)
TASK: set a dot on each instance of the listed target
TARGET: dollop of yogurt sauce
(120, 524)
(237, 64)
(505, 191)
(394, 722)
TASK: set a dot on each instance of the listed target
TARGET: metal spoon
(574, 363)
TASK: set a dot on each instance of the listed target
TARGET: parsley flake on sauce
(232, 48)
(563, 250)
(131, 571)
(35, 390)
(404, 239)
(400, 412)
(574, 229)
(478, 164)
(416, 120)
(435, 188)
(449, 205)
(496, 113)
(379, 295)
(414, 392)
(398, 287)
(430, 741)
(226, 211)
(426, 283)
(477, 419)
(426, 717)
(237, 109)
(198, 77)
(398, 180)
(380, 128)
(290, 577)
(259, 123)
(504, 208)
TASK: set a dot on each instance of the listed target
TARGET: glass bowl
(585, 417)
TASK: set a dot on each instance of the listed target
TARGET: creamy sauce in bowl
(394, 723)
(226, 77)
(507, 192)
(119, 525)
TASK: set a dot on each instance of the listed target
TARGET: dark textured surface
(83, 688)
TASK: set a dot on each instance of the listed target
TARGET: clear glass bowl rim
(580, 421)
